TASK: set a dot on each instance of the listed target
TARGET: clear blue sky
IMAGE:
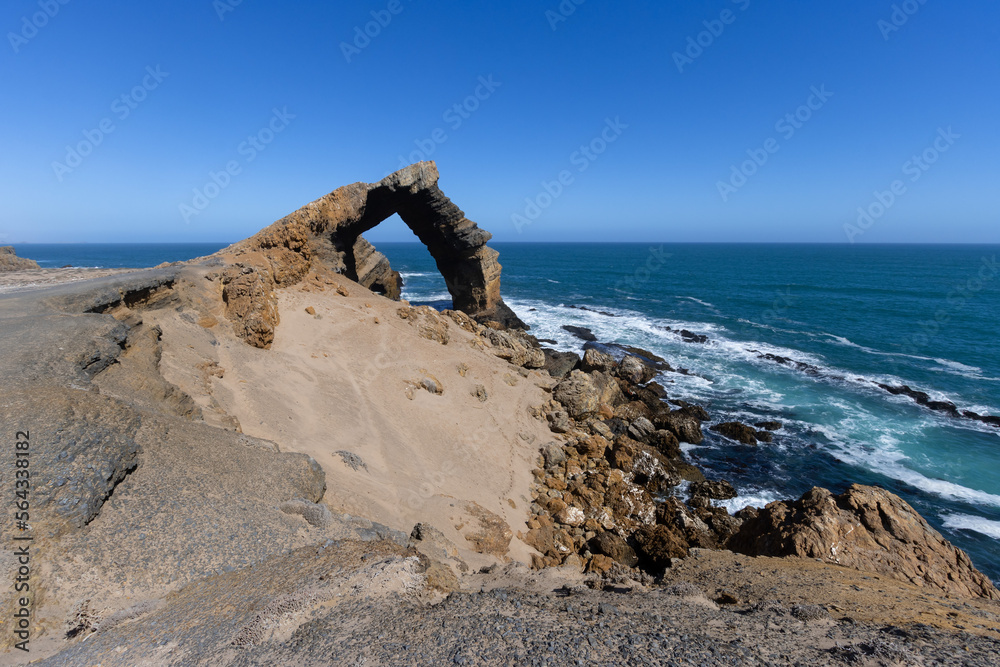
(229, 64)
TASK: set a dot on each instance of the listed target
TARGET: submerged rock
(737, 431)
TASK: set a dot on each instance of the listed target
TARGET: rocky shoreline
(259, 457)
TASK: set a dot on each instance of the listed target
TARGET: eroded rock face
(9, 261)
(327, 233)
(865, 528)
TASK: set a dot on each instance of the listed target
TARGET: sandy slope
(338, 381)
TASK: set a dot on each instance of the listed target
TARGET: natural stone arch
(328, 231)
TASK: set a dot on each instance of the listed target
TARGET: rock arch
(328, 231)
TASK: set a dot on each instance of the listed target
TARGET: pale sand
(339, 383)
(20, 281)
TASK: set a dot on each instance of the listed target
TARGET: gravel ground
(506, 627)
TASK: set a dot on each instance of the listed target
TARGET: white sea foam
(414, 274)
(970, 522)
(757, 498)
(887, 460)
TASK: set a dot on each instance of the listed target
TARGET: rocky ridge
(9, 261)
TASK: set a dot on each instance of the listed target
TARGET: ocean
(802, 334)
(853, 316)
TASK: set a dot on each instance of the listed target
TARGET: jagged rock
(9, 261)
(666, 442)
(559, 421)
(657, 545)
(614, 547)
(633, 410)
(374, 272)
(553, 454)
(718, 490)
(430, 324)
(570, 516)
(683, 423)
(559, 364)
(737, 431)
(579, 394)
(769, 425)
(251, 306)
(633, 370)
(609, 391)
(672, 512)
(641, 429)
(865, 528)
(513, 347)
(764, 436)
(595, 360)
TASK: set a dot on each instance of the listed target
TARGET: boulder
(559, 364)
(684, 424)
(553, 454)
(865, 528)
(737, 431)
(579, 395)
(632, 369)
(718, 490)
(769, 425)
(657, 545)
(595, 360)
(614, 547)
(515, 348)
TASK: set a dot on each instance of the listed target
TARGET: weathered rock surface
(737, 431)
(327, 233)
(9, 261)
(866, 528)
(559, 364)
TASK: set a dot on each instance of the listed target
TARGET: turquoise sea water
(843, 317)
(923, 316)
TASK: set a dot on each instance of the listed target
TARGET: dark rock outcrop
(737, 431)
(583, 333)
(9, 261)
(559, 364)
(327, 234)
(865, 528)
